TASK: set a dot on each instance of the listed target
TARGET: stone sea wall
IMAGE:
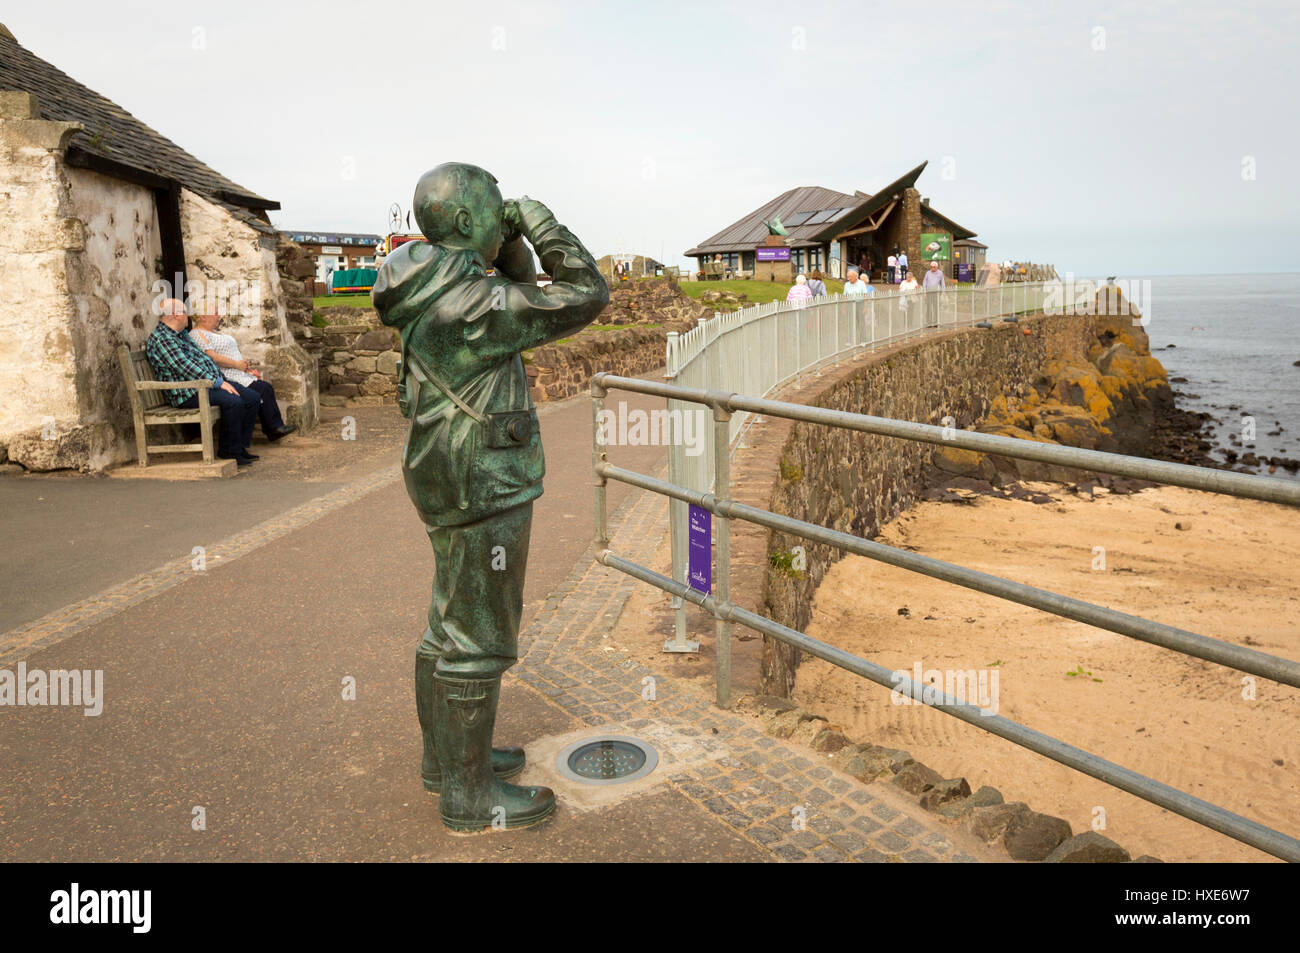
(1083, 380)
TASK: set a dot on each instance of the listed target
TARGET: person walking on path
(891, 263)
(799, 295)
(908, 292)
(816, 286)
(902, 263)
(862, 292)
(855, 286)
(935, 283)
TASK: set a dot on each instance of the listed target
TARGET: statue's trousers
(478, 594)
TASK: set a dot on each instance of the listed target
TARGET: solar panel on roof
(826, 215)
(797, 218)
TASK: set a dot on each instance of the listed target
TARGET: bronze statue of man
(473, 458)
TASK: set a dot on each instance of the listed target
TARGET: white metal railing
(761, 349)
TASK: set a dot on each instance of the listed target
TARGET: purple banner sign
(699, 547)
(772, 253)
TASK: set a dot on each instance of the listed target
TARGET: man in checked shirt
(174, 357)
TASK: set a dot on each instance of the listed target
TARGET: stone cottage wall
(80, 262)
(38, 366)
(111, 283)
(80, 254)
(221, 248)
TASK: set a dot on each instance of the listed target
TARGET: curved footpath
(224, 688)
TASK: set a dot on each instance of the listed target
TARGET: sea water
(1236, 339)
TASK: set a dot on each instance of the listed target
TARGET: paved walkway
(225, 702)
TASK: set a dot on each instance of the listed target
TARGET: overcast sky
(1138, 138)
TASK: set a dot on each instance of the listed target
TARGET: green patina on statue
(473, 458)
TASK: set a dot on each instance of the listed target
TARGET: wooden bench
(150, 408)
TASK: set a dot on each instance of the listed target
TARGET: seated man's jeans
(238, 415)
(269, 412)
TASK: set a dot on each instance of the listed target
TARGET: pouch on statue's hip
(509, 428)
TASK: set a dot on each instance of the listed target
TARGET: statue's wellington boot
(506, 762)
(473, 797)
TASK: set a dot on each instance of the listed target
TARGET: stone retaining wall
(358, 363)
(557, 371)
(359, 357)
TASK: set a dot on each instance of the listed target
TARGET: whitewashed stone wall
(80, 258)
(110, 282)
(42, 421)
(220, 248)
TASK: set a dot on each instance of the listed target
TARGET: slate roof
(113, 134)
(750, 231)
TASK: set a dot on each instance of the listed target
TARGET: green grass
(756, 292)
(341, 301)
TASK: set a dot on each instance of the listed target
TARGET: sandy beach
(1231, 572)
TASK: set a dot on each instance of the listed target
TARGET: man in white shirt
(853, 286)
(892, 264)
(934, 284)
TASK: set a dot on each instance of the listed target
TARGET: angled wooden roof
(862, 209)
(750, 231)
(114, 142)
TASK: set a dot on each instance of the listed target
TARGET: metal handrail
(725, 612)
(765, 347)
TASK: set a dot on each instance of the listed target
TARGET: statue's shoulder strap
(426, 373)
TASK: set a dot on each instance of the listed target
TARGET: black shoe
(275, 435)
(239, 458)
(251, 456)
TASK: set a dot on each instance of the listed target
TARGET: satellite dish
(395, 218)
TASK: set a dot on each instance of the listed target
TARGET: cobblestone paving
(776, 794)
(58, 625)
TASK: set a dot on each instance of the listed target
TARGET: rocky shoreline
(1115, 397)
(1181, 435)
